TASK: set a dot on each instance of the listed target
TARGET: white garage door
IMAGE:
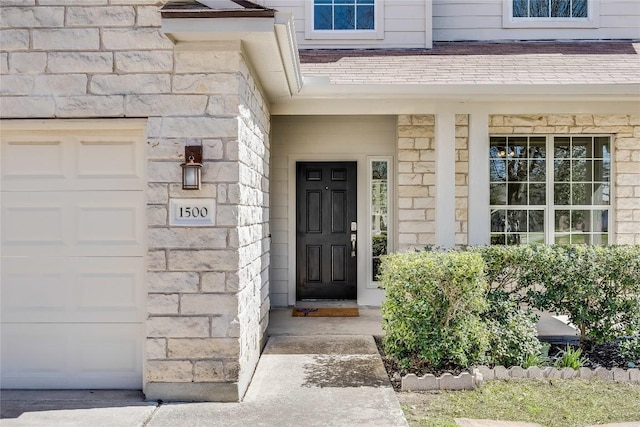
(72, 271)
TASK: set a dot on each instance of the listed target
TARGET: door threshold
(318, 303)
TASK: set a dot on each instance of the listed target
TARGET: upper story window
(343, 15)
(550, 13)
(550, 8)
(344, 19)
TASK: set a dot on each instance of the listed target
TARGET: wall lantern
(192, 168)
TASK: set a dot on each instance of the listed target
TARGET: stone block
(603, 374)
(610, 120)
(172, 281)
(169, 370)
(218, 84)
(148, 16)
(111, 84)
(60, 84)
(213, 282)
(157, 193)
(211, 304)
(199, 127)
(157, 215)
(535, 372)
(568, 373)
(634, 375)
(80, 62)
(187, 237)
(4, 62)
(66, 39)
(525, 120)
(156, 348)
(464, 381)
(620, 375)
(552, 373)
(208, 370)
(72, 2)
(13, 40)
(138, 38)
(585, 373)
(163, 172)
(162, 304)
(165, 105)
(209, 61)
(181, 327)
(28, 62)
(208, 191)
(111, 16)
(206, 348)
(17, 85)
(203, 260)
(90, 106)
(141, 61)
(517, 372)
(427, 382)
(501, 373)
(31, 17)
(26, 106)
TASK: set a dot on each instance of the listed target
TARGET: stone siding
(416, 181)
(625, 132)
(462, 178)
(208, 286)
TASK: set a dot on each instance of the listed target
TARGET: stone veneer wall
(462, 179)
(207, 287)
(625, 130)
(416, 181)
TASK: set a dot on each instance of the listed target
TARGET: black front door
(325, 230)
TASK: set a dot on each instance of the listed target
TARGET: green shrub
(597, 286)
(630, 349)
(432, 308)
(513, 336)
(570, 358)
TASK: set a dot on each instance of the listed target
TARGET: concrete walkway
(310, 381)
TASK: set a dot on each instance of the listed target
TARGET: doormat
(325, 312)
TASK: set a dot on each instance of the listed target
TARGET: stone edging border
(469, 381)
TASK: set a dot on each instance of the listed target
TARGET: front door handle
(353, 244)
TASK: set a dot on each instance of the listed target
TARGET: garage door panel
(37, 355)
(72, 290)
(72, 163)
(108, 223)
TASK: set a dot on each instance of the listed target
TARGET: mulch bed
(597, 355)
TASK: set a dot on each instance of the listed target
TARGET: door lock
(353, 244)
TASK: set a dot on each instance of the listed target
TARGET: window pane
(498, 147)
(562, 221)
(520, 9)
(562, 146)
(498, 170)
(537, 170)
(581, 148)
(581, 194)
(517, 194)
(517, 147)
(579, 9)
(517, 170)
(322, 18)
(498, 220)
(601, 147)
(365, 18)
(537, 194)
(601, 169)
(561, 194)
(537, 148)
(560, 8)
(601, 193)
(539, 8)
(579, 170)
(379, 213)
(498, 194)
(344, 17)
(561, 170)
(580, 220)
(536, 221)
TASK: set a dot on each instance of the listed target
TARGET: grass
(550, 403)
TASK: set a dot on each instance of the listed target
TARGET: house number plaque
(192, 212)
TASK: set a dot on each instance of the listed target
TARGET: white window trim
(592, 20)
(376, 34)
(373, 284)
(549, 207)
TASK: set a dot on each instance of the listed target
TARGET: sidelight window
(379, 209)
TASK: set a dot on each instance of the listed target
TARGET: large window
(551, 13)
(550, 189)
(343, 15)
(550, 8)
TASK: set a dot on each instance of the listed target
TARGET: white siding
(455, 20)
(315, 138)
(405, 25)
